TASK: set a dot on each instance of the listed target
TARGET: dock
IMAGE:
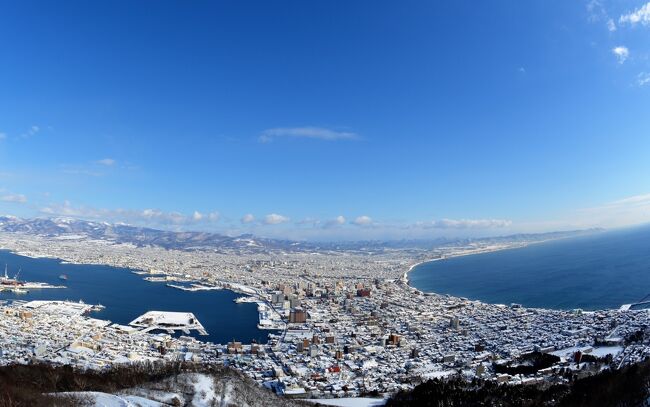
(194, 287)
(641, 303)
(168, 321)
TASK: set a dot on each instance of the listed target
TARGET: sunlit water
(599, 271)
(126, 296)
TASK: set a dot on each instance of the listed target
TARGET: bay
(600, 271)
(127, 296)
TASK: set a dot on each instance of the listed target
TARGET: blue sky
(328, 119)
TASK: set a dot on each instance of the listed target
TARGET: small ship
(20, 287)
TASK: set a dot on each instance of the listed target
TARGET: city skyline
(373, 122)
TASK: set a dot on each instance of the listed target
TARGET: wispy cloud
(638, 16)
(14, 198)
(622, 212)
(596, 10)
(308, 221)
(81, 171)
(30, 132)
(466, 224)
(106, 161)
(611, 25)
(635, 200)
(643, 79)
(622, 53)
(598, 13)
(3, 136)
(275, 219)
(96, 168)
(306, 132)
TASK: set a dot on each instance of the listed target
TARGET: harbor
(170, 322)
(126, 295)
(16, 286)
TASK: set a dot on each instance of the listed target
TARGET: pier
(168, 321)
(645, 301)
(194, 287)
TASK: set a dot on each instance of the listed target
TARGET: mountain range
(186, 240)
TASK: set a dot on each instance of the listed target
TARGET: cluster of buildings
(340, 324)
(65, 333)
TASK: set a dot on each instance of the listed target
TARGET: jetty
(642, 303)
(195, 287)
(168, 321)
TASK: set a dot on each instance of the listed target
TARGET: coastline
(405, 279)
(258, 299)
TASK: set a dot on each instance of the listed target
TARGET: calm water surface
(127, 296)
(600, 271)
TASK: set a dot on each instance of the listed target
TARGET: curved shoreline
(406, 280)
(234, 288)
(405, 277)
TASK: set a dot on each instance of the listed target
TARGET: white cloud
(362, 221)
(643, 79)
(14, 198)
(248, 218)
(146, 217)
(466, 224)
(638, 16)
(622, 53)
(3, 136)
(275, 219)
(338, 221)
(106, 161)
(207, 217)
(306, 132)
(155, 215)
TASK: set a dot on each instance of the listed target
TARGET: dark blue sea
(599, 271)
(126, 296)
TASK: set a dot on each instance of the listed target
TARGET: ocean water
(127, 296)
(599, 271)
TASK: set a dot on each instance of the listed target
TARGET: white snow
(589, 350)
(350, 402)
(98, 399)
(203, 390)
(165, 317)
(606, 350)
(70, 237)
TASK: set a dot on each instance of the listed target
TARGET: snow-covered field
(193, 390)
(97, 399)
(589, 350)
(350, 402)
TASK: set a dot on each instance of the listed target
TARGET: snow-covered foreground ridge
(187, 389)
